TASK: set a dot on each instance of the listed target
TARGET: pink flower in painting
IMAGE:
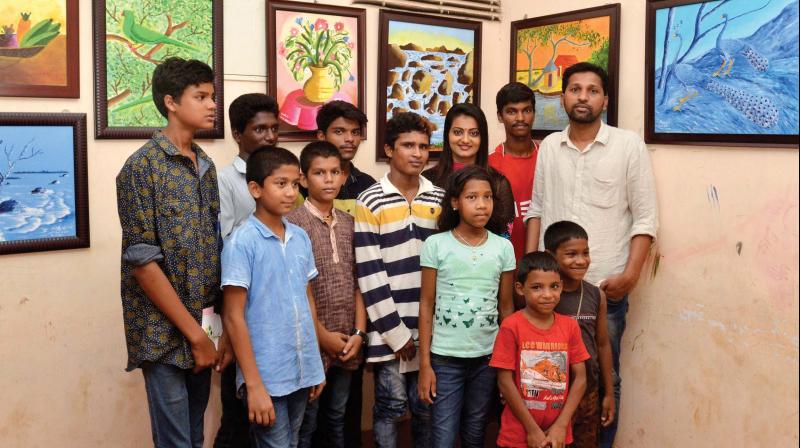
(338, 26)
(321, 25)
(293, 31)
(282, 50)
(351, 45)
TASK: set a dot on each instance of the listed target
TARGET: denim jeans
(234, 424)
(464, 391)
(289, 411)
(352, 415)
(394, 391)
(327, 412)
(177, 399)
(617, 309)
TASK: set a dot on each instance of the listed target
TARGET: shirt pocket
(603, 192)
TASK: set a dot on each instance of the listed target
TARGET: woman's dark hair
(449, 218)
(445, 165)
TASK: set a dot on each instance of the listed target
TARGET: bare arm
(354, 342)
(505, 381)
(533, 225)
(159, 290)
(557, 432)
(259, 403)
(427, 301)
(617, 286)
(506, 295)
(604, 359)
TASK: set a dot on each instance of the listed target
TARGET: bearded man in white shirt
(600, 177)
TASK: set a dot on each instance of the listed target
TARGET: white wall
(711, 351)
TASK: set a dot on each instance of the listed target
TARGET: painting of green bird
(141, 35)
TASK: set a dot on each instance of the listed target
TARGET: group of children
(323, 268)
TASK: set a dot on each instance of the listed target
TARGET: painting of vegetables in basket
(427, 65)
(39, 48)
(316, 55)
(131, 38)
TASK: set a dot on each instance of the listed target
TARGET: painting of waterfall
(722, 72)
(427, 64)
(43, 182)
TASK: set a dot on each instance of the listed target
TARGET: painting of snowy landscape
(40, 195)
(726, 67)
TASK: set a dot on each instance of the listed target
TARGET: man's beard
(584, 118)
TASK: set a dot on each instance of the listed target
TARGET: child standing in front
(536, 352)
(467, 278)
(342, 319)
(267, 264)
(568, 242)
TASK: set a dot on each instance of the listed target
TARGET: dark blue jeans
(464, 391)
(617, 309)
(326, 414)
(394, 391)
(177, 400)
(289, 411)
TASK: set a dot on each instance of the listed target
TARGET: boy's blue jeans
(617, 309)
(393, 392)
(327, 412)
(464, 391)
(289, 410)
(177, 399)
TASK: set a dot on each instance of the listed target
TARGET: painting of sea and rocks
(544, 47)
(724, 71)
(429, 65)
(42, 184)
(39, 48)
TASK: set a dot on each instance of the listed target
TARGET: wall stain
(636, 339)
(49, 330)
(24, 300)
(739, 248)
(656, 263)
(713, 197)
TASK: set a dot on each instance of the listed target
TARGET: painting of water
(42, 182)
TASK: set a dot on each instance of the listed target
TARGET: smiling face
(542, 292)
(196, 107)
(584, 99)
(409, 154)
(464, 139)
(324, 179)
(573, 258)
(345, 134)
(261, 130)
(276, 195)
(475, 203)
(517, 119)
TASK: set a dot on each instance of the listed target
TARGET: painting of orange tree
(544, 52)
(33, 43)
(139, 36)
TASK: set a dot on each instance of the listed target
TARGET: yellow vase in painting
(321, 86)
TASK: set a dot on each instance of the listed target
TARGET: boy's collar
(315, 212)
(266, 232)
(240, 165)
(424, 185)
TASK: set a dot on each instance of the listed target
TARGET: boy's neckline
(530, 320)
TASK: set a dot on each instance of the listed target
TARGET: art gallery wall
(711, 349)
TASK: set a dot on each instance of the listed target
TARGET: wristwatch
(364, 337)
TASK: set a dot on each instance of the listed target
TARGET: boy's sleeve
(536, 208)
(374, 281)
(507, 257)
(311, 268)
(237, 269)
(226, 213)
(504, 355)
(429, 256)
(137, 211)
(642, 193)
(577, 351)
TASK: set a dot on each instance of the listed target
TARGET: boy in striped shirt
(393, 219)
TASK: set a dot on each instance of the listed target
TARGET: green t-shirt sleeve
(429, 256)
(507, 256)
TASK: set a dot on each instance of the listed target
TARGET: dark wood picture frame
(72, 87)
(703, 139)
(613, 12)
(81, 189)
(385, 18)
(102, 128)
(288, 131)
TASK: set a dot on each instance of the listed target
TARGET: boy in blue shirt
(267, 264)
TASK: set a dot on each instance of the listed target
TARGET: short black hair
(247, 106)
(330, 111)
(319, 148)
(406, 122)
(449, 218)
(560, 232)
(265, 160)
(174, 75)
(582, 67)
(514, 92)
(536, 261)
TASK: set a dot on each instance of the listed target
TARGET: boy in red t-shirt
(535, 353)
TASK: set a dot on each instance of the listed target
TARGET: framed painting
(543, 47)
(722, 72)
(44, 199)
(39, 52)
(426, 65)
(315, 54)
(130, 39)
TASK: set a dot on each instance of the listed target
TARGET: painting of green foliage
(139, 35)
